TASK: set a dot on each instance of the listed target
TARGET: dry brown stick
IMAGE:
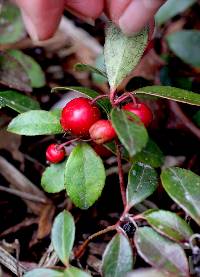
(49, 258)
(175, 108)
(11, 263)
(18, 181)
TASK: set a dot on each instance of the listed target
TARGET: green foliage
(122, 53)
(185, 44)
(63, 233)
(53, 178)
(35, 123)
(131, 132)
(75, 272)
(142, 182)
(118, 257)
(89, 68)
(42, 272)
(100, 64)
(84, 176)
(161, 252)
(183, 186)
(149, 272)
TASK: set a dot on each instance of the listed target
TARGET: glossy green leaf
(149, 272)
(161, 252)
(142, 182)
(150, 154)
(53, 178)
(75, 272)
(103, 103)
(172, 8)
(171, 93)
(87, 67)
(11, 25)
(18, 102)
(32, 68)
(44, 272)
(131, 132)
(12, 73)
(185, 44)
(2, 102)
(183, 186)
(100, 64)
(84, 176)
(34, 123)
(118, 257)
(169, 224)
(62, 236)
(122, 53)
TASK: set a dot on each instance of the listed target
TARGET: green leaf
(149, 272)
(169, 224)
(90, 68)
(35, 123)
(32, 68)
(100, 64)
(18, 102)
(2, 102)
(118, 257)
(130, 130)
(11, 25)
(42, 272)
(185, 44)
(103, 103)
(150, 154)
(75, 272)
(12, 73)
(172, 8)
(142, 182)
(171, 93)
(161, 252)
(183, 186)
(122, 53)
(197, 118)
(53, 178)
(63, 233)
(84, 176)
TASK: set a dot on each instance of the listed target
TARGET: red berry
(55, 153)
(102, 131)
(79, 115)
(141, 110)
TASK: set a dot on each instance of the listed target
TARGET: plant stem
(81, 249)
(67, 143)
(98, 98)
(121, 175)
(124, 96)
(112, 97)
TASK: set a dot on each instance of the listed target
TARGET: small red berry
(55, 153)
(79, 115)
(102, 131)
(141, 110)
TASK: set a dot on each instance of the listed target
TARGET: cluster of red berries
(82, 118)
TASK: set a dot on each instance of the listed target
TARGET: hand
(42, 17)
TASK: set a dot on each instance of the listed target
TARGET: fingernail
(32, 31)
(126, 27)
(90, 21)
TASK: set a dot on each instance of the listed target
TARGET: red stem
(67, 143)
(121, 174)
(98, 98)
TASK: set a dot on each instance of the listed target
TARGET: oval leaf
(131, 133)
(84, 176)
(151, 272)
(12, 73)
(103, 103)
(142, 182)
(172, 8)
(11, 25)
(171, 93)
(161, 252)
(34, 123)
(63, 233)
(18, 102)
(185, 44)
(169, 224)
(183, 186)
(122, 53)
(31, 67)
(150, 154)
(118, 257)
(75, 272)
(53, 178)
(42, 272)
(90, 68)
